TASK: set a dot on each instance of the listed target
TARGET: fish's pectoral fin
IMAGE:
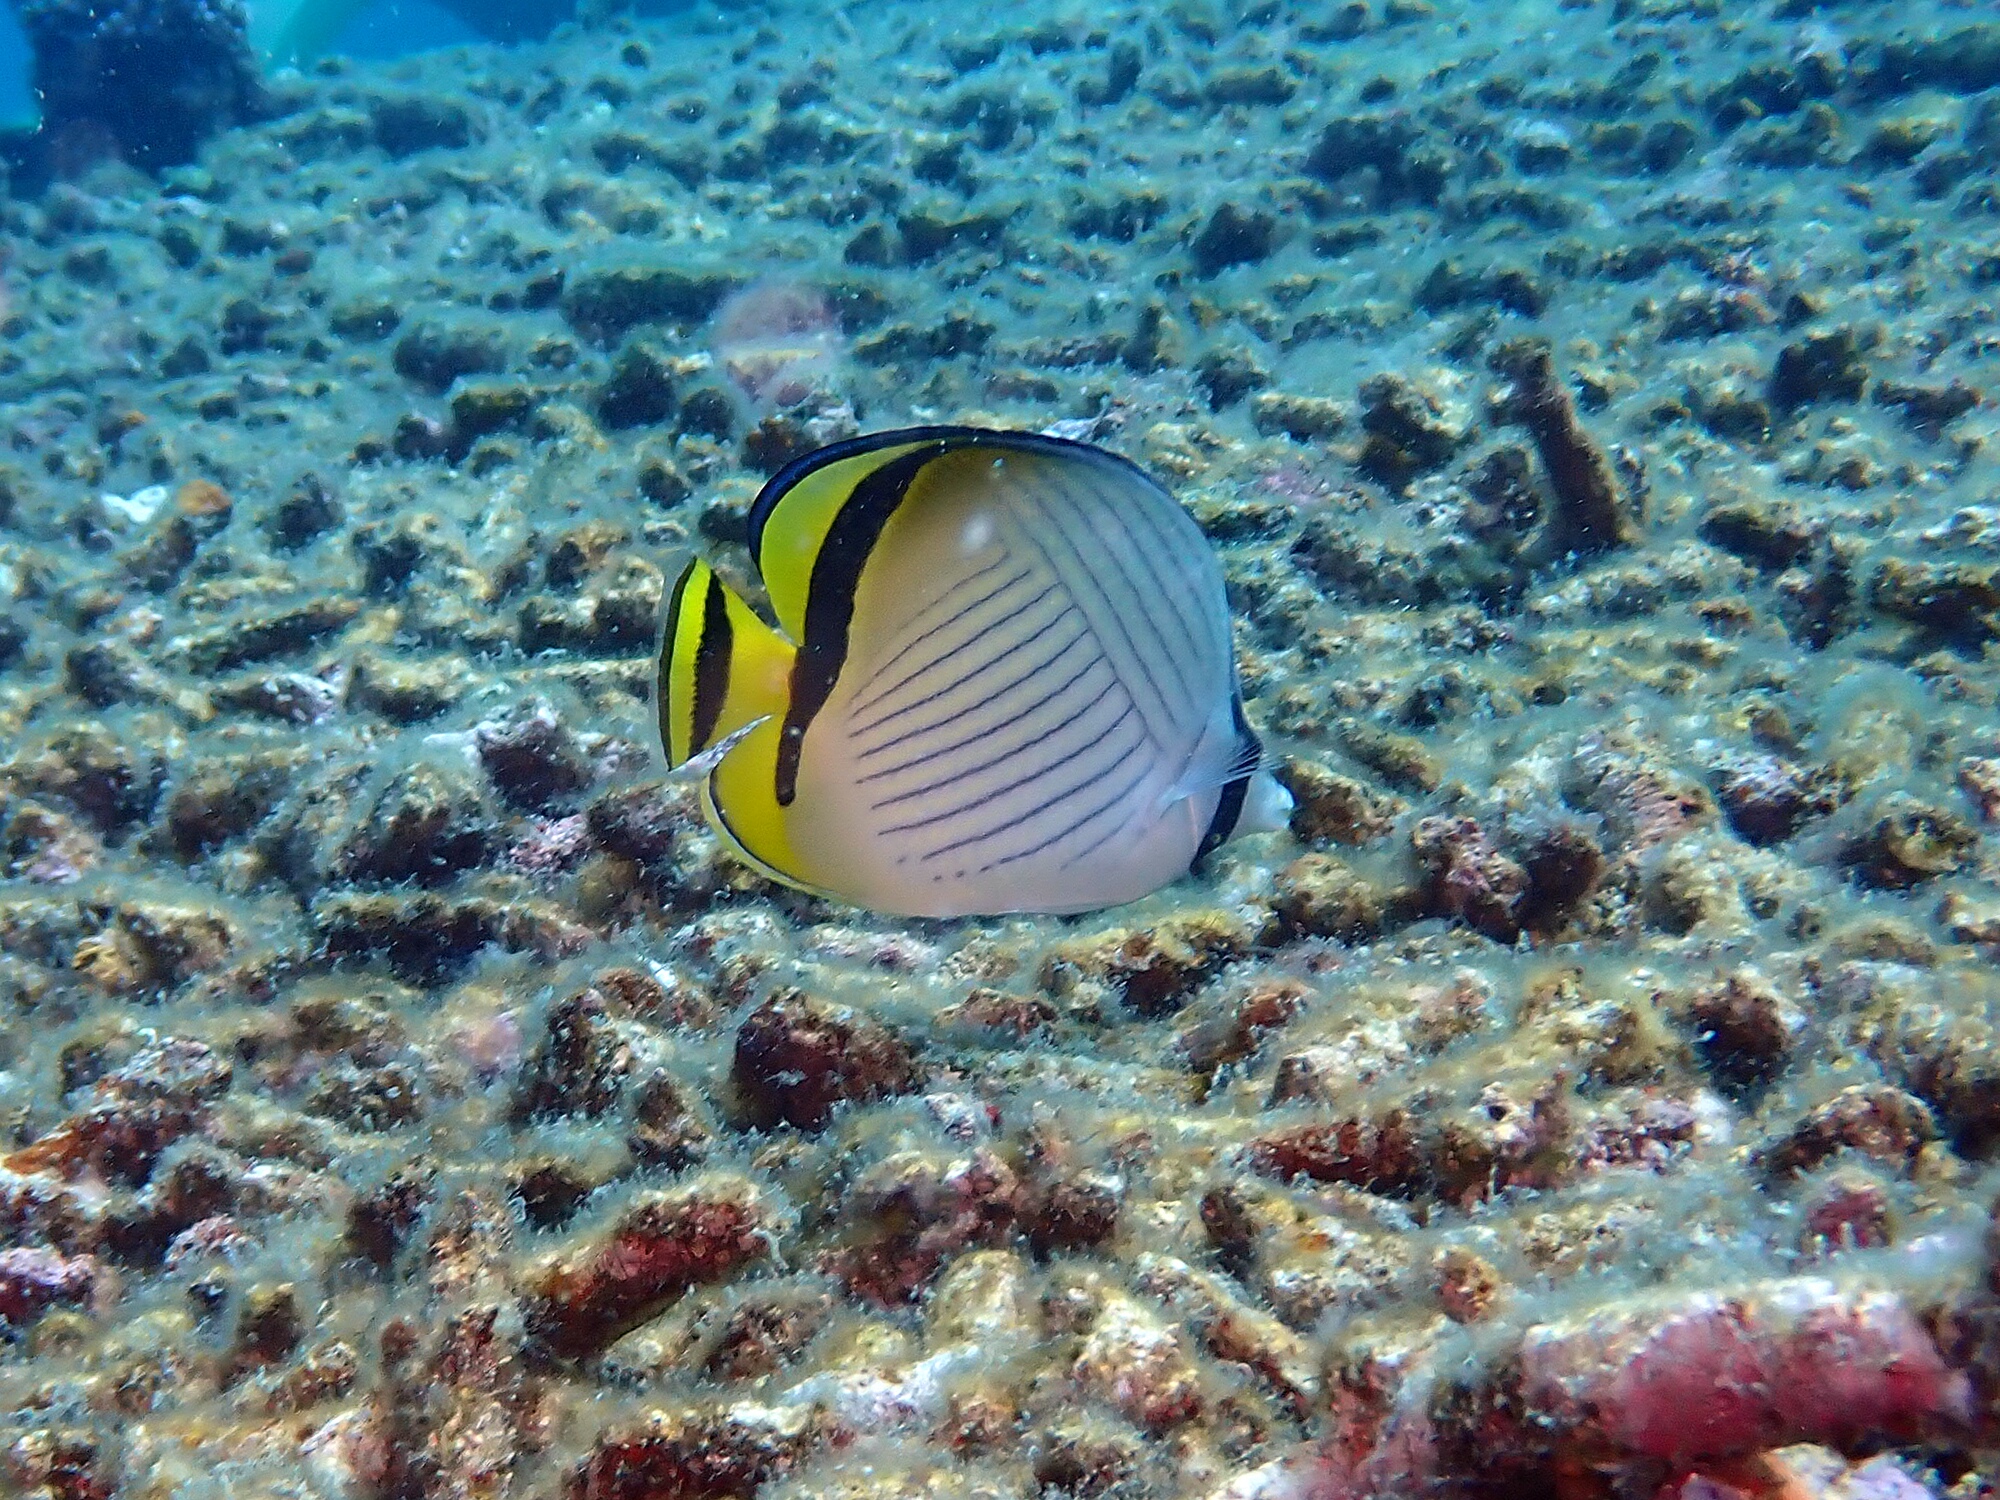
(698, 766)
(1206, 772)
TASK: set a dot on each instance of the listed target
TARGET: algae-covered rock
(662, 1246)
(1233, 236)
(605, 302)
(1317, 896)
(426, 825)
(1819, 367)
(796, 1060)
(157, 79)
(436, 352)
(1592, 1090)
(1909, 843)
(1156, 970)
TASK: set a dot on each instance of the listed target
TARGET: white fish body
(1029, 702)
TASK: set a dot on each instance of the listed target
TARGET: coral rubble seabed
(1596, 1095)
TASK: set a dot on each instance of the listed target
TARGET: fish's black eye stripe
(1229, 806)
(836, 573)
(711, 667)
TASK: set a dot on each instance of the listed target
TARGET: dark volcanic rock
(1928, 408)
(1819, 367)
(223, 798)
(1744, 1030)
(1769, 534)
(421, 122)
(797, 1059)
(307, 512)
(534, 761)
(581, 1066)
(1407, 432)
(1592, 511)
(1766, 797)
(381, 1221)
(262, 637)
(1390, 149)
(434, 354)
(1910, 842)
(668, 1244)
(640, 390)
(1959, 601)
(157, 76)
(1233, 237)
(425, 827)
(607, 302)
(1881, 1122)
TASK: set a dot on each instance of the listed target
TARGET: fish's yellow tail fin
(720, 665)
(723, 684)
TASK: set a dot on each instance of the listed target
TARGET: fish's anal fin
(750, 845)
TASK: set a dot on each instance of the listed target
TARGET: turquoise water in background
(16, 104)
(389, 29)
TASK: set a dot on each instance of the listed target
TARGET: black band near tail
(836, 573)
(670, 633)
(711, 667)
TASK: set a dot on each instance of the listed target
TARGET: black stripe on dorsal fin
(945, 436)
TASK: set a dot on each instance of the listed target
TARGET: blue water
(388, 28)
(391, 28)
(16, 103)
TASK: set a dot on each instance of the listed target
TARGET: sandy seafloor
(1597, 1096)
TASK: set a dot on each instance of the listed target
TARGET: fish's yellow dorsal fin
(724, 673)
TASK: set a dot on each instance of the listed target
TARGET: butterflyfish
(1001, 680)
